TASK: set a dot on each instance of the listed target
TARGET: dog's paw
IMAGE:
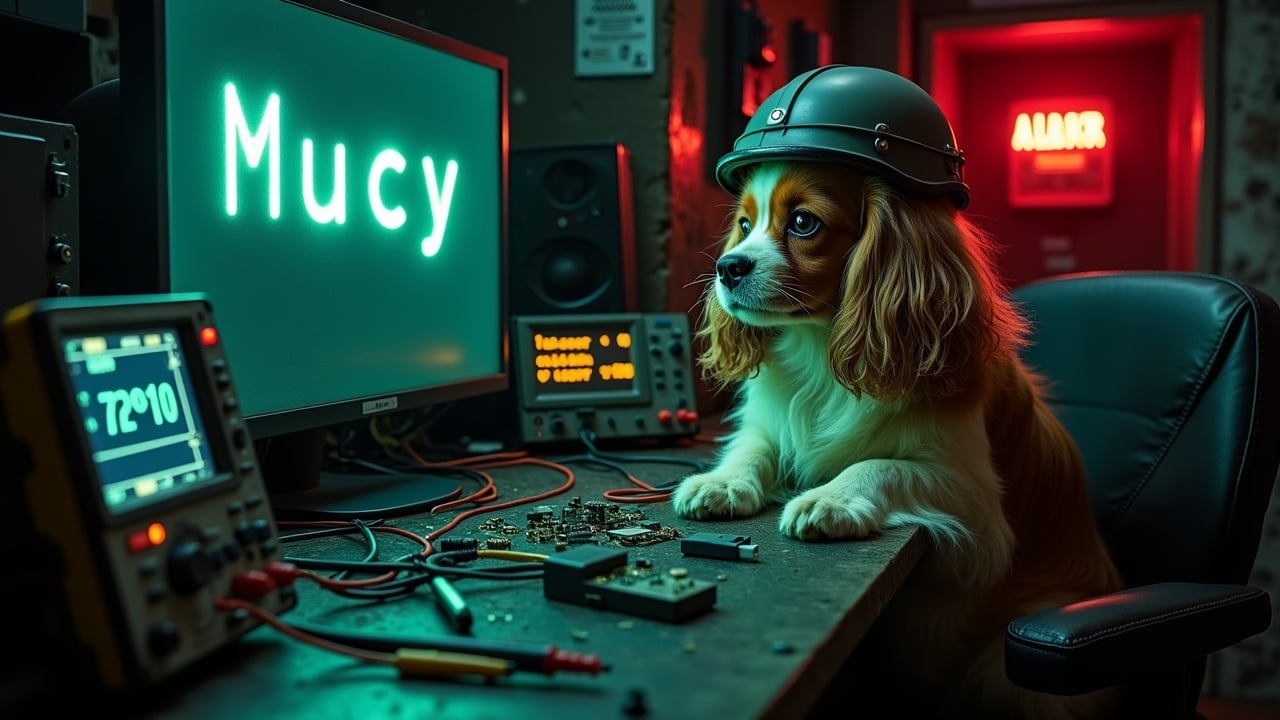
(718, 494)
(820, 514)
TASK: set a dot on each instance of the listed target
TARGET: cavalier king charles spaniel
(880, 385)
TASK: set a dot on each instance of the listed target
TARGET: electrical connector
(600, 577)
(720, 546)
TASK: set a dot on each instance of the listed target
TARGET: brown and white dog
(881, 386)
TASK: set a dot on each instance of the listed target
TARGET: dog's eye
(803, 224)
(745, 226)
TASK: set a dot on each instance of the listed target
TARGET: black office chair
(1170, 384)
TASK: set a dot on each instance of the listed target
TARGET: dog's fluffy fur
(881, 386)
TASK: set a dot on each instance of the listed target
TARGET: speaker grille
(572, 230)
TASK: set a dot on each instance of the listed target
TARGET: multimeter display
(570, 359)
(141, 416)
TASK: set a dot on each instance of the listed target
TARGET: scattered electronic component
(600, 577)
(579, 522)
(720, 546)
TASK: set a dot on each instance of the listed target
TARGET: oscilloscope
(618, 375)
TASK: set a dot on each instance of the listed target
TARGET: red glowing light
(1072, 130)
(138, 541)
(1061, 154)
(209, 336)
(146, 538)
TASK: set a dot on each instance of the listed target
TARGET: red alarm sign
(1060, 152)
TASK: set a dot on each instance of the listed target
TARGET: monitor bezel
(142, 91)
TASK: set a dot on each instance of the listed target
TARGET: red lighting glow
(1054, 162)
(1061, 152)
(208, 336)
(151, 536)
(1071, 130)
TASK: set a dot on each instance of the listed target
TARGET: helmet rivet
(776, 116)
(882, 144)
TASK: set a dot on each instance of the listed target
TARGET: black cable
(593, 460)
(446, 563)
(331, 531)
(409, 469)
(363, 526)
(588, 439)
(355, 566)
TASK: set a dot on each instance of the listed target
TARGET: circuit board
(578, 522)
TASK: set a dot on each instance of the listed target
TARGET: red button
(664, 416)
(138, 541)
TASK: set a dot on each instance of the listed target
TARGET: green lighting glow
(440, 202)
(266, 137)
(313, 191)
(336, 210)
(390, 218)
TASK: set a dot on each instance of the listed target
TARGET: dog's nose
(732, 268)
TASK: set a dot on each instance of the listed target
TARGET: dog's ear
(921, 307)
(733, 350)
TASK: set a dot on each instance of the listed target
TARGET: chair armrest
(1102, 641)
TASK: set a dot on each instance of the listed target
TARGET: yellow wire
(376, 432)
(514, 555)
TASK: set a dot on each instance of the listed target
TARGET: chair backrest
(1170, 384)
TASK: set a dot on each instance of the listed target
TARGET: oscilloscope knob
(189, 568)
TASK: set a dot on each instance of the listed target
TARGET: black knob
(163, 638)
(189, 568)
(60, 251)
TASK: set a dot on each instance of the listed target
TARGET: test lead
(527, 657)
(720, 546)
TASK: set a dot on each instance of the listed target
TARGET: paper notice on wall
(613, 37)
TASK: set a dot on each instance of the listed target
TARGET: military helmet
(870, 118)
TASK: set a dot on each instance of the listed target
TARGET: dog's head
(904, 283)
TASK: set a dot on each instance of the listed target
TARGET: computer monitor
(336, 181)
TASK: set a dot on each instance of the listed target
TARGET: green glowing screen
(337, 192)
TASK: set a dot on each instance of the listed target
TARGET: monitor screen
(335, 188)
(335, 181)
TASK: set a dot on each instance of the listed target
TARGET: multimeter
(615, 375)
(135, 469)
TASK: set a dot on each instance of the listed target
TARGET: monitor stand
(300, 489)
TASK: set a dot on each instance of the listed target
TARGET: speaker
(572, 230)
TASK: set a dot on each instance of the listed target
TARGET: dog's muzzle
(732, 268)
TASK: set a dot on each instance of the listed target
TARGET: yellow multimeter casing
(135, 466)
